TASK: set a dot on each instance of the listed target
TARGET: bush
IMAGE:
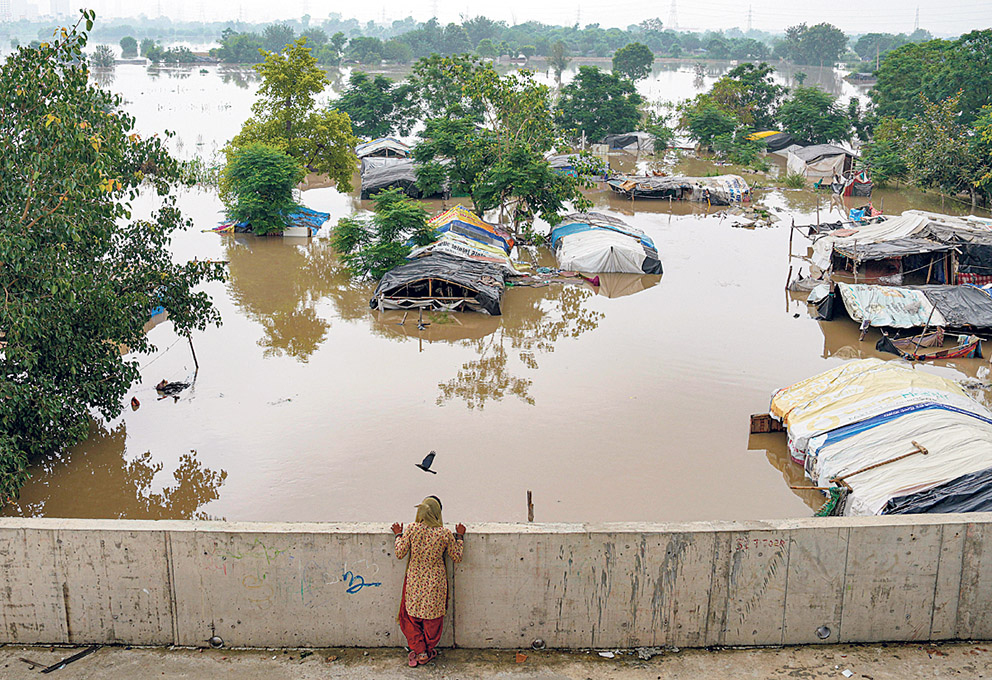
(372, 247)
(103, 57)
(257, 187)
(794, 180)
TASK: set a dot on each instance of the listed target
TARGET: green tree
(760, 94)
(277, 37)
(397, 52)
(372, 247)
(146, 44)
(485, 48)
(238, 48)
(599, 104)
(528, 50)
(370, 102)
(285, 116)
(316, 37)
(257, 186)
(822, 44)
(365, 50)
(79, 275)
(129, 47)
(103, 57)
(813, 116)
(558, 60)
(884, 154)
(704, 121)
(633, 61)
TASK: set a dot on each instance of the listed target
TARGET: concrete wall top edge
(51, 523)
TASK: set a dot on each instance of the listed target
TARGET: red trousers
(422, 635)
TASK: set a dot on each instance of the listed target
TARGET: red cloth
(422, 635)
(977, 279)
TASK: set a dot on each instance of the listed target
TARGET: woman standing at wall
(425, 587)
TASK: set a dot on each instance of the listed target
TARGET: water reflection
(533, 321)
(242, 78)
(103, 77)
(279, 284)
(116, 487)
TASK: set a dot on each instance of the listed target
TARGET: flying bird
(426, 465)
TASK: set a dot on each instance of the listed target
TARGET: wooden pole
(530, 506)
(788, 278)
(855, 262)
(918, 448)
(195, 362)
(927, 325)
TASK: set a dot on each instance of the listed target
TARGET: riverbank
(873, 662)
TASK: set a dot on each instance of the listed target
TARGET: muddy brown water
(625, 403)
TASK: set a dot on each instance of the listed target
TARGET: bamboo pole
(530, 506)
(919, 448)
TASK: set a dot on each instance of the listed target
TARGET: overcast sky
(854, 16)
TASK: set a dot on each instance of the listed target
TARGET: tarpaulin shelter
(963, 306)
(631, 142)
(593, 243)
(565, 163)
(393, 172)
(462, 233)
(774, 140)
(719, 190)
(442, 282)
(901, 440)
(383, 147)
(819, 161)
(301, 221)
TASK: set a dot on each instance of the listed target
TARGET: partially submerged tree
(103, 57)
(558, 60)
(633, 61)
(599, 104)
(129, 47)
(79, 274)
(257, 186)
(372, 247)
(286, 117)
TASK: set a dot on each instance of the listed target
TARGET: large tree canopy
(813, 116)
(633, 61)
(79, 274)
(286, 116)
(599, 104)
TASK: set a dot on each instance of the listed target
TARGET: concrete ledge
(914, 577)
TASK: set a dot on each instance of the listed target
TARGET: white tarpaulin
(957, 444)
(857, 391)
(889, 307)
(891, 229)
(601, 250)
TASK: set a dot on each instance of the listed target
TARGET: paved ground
(871, 662)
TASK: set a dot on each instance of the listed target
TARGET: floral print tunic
(426, 577)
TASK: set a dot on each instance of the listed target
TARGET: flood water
(626, 403)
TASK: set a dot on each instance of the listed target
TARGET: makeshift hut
(442, 282)
(719, 190)
(565, 164)
(631, 142)
(383, 147)
(388, 173)
(882, 438)
(935, 306)
(594, 243)
(819, 161)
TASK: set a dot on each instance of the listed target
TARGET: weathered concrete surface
(891, 662)
(572, 585)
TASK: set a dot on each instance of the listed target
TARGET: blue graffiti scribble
(356, 582)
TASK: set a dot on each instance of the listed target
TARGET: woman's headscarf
(429, 512)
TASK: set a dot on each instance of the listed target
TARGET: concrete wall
(626, 585)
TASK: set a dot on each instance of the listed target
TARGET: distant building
(60, 8)
(5, 12)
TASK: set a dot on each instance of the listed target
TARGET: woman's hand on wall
(397, 528)
(460, 529)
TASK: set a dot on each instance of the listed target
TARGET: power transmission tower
(916, 24)
(749, 18)
(673, 17)
(434, 9)
(578, 16)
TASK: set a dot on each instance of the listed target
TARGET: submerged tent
(300, 222)
(442, 282)
(594, 243)
(965, 306)
(899, 439)
(388, 173)
(719, 190)
(632, 142)
(383, 147)
(464, 234)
